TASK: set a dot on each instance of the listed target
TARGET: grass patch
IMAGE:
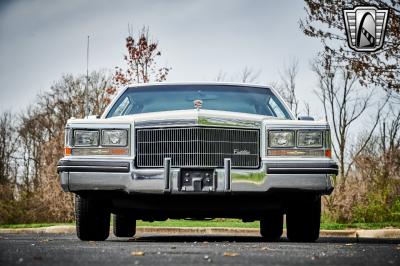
(337, 226)
(236, 223)
(37, 225)
(239, 224)
(208, 223)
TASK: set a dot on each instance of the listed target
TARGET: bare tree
(373, 183)
(307, 108)
(30, 138)
(246, 75)
(41, 141)
(249, 75)
(288, 87)
(8, 147)
(390, 143)
(221, 76)
(344, 103)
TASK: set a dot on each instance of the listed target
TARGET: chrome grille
(197, 147)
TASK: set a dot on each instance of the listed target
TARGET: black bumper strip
(93, 166)
(302, 168)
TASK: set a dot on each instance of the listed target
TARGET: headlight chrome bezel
(320, 149)
(97, 146)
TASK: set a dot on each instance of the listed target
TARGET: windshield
(244, 99)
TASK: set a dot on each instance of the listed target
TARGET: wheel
(303, 219)
(92, 219)
(124, 225)
(271, 227)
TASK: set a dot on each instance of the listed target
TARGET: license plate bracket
(197, 180)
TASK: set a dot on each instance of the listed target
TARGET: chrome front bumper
(89, 175)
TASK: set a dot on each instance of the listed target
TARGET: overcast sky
(42, 39)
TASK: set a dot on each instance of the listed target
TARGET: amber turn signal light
(328, 153)
(67, 151)
(119, 151)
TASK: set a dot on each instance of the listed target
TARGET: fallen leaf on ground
(137, 253)
(270, 249)
(231, 254)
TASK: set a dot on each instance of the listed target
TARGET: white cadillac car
(198, 151)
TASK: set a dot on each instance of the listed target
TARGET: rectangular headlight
(306, 139)
(114, 137)
(281, 139)
(86, 138)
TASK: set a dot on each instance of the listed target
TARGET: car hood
(195, 117)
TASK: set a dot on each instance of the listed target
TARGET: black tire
(124, 225)
(92, 219)
(271, 227)
(303, 220)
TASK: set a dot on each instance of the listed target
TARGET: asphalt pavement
(66, 249)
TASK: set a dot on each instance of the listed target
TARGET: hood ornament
(198, 104)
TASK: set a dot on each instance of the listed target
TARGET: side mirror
(305, 117)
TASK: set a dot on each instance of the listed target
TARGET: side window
(122, 107)
(275, 108)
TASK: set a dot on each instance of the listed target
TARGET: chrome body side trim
(92, 166)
